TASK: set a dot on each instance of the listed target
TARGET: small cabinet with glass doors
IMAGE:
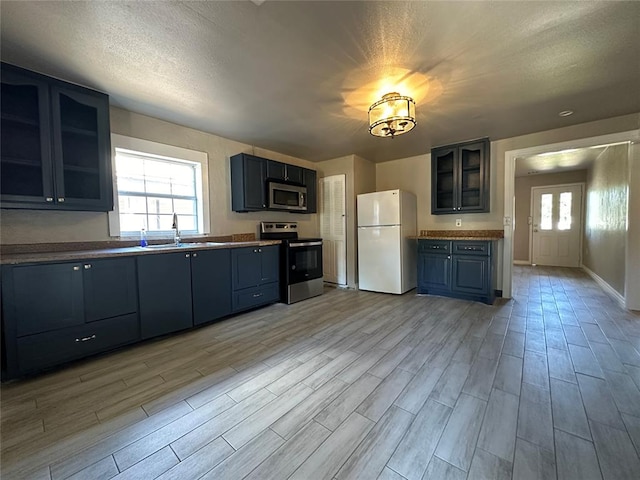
(460, 178)
(56, 150)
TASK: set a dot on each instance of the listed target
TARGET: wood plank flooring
(352, 385)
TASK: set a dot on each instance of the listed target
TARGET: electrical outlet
(458, 222)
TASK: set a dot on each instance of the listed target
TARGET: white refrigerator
(387, 248)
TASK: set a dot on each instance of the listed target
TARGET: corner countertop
(71, 255)
(460, 235)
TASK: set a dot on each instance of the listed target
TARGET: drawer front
(469, 247)
(52, 348)
(254, 297)
(434, 246)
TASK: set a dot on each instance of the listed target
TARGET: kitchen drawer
(58, 346)
(254, 297)
(470, 247)
(434, 246)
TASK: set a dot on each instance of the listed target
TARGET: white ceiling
(297, 77)
(553, 162)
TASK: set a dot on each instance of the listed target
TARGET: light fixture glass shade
(391, 116)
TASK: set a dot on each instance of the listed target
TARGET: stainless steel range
(300, 261)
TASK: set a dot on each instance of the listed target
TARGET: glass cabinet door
(26, 151)
(81, 148)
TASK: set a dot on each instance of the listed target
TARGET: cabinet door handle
(87, 266)
(458, 208)
(60, 199)
(449, 256)
(49, 199)
(86, 339)
(259, 250)
(195, 255)
(187, 255)
(76, 268)
(256, 295)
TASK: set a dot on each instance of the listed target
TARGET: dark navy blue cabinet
(311, 182)
(255, 276)
(56, 151)
(460, 178)
(210, 285)
(56, 312)
(458, 268)
(164, 289)
(248, 183)
(250, 175)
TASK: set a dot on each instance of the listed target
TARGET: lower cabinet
(254, 276)
(457, 268)
(164, 290)
(53, 313)
(210, 285)
(56, 312)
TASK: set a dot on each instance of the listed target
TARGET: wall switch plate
(458, 222)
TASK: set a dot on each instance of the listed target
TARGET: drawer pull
(76, 268)
(61, 199)
(49, 199)
(86, 339)
(87, 266)
(256, 295)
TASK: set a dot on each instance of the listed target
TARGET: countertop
(65, 256)
(460, 235)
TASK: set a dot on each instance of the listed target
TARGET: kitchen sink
(182, 245)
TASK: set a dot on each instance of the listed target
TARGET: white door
(379, 262)
(379, 208)
(333, 229)
(557, 225)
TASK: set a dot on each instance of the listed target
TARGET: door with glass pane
(557, 225)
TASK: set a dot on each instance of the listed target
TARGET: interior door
(557, 225)
(333, 229)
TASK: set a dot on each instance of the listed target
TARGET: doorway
(633, 233)
(333, 228)
(556, 230)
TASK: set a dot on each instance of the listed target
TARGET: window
(546, 211)
(564, 223)
(152, 181)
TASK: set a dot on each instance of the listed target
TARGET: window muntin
(151, 188)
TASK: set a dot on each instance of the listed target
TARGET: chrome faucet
(176, 232)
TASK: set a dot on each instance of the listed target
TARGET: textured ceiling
(552, 162)
(297, 77)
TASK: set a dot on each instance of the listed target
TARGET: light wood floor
(352, 385)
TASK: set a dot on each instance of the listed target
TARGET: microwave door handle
(302, 201)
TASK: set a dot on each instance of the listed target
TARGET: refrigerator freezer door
(379, 259)
(379, 208)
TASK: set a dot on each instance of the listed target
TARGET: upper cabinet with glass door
(460, 178)
(56, 151)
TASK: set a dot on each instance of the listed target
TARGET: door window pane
(564, 222)
(546, 211)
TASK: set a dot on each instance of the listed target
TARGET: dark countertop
(65, 256)
(460, 235)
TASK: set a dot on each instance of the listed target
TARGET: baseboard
(612, 292)
(521, 262)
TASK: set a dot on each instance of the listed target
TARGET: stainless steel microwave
(284, 196)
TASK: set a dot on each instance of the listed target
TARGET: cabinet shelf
(23, 121)
(460, 178)
(79, 131)
(24, 162)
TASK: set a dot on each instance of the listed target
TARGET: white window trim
(137, 145)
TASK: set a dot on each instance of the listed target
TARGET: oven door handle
(305, 244)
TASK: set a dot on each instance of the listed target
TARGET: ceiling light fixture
(391, 116)
(565, 113)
